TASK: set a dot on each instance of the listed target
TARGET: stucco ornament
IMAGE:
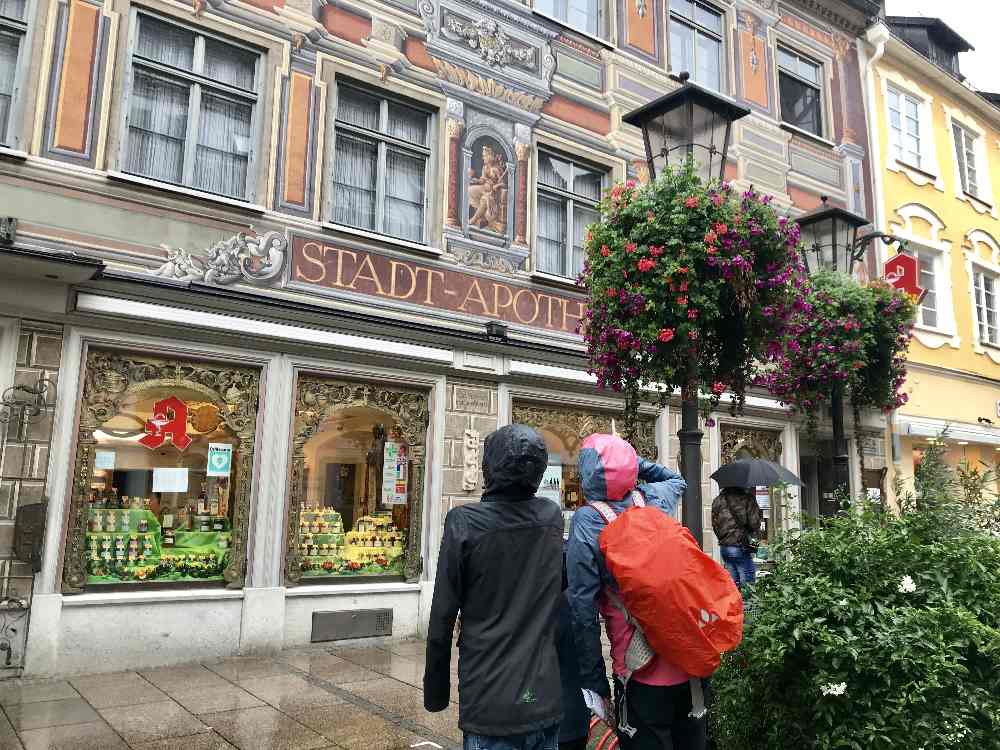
(491, 41)
(257, 260)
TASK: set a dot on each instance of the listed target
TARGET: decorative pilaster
(522, 151)
(454, 127)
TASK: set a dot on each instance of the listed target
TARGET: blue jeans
(546, 739)
(739, 563)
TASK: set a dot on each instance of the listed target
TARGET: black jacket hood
(514, 460)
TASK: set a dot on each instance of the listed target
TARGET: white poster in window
(394, 476)
(552, 484)
(764, 497)
(170, 480)
(220, 460)
(104, 460)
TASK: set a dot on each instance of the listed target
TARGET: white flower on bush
(834, 688)
(842, 603)
(907, 585)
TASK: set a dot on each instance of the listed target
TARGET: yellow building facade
(936, 144)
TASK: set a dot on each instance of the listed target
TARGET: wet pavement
(323, 697)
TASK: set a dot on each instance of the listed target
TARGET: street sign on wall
(903, 272)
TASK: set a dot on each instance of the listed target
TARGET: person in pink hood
(653, 712)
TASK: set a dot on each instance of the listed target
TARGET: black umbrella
(754, 472)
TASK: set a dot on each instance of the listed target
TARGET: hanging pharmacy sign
(903, 272)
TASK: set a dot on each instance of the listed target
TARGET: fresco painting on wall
(488, 179)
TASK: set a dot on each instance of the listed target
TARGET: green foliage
(873, 632)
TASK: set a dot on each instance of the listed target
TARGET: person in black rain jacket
(500, 566)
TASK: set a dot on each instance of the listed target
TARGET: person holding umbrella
(736, 516)
(736, 521)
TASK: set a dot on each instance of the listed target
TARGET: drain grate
(345, 625)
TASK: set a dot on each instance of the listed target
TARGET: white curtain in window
(551, 234)
(228, 64)
(223, 146)
(12, 9)
(404, 195)
(355, 172)
(553, 172)
(9, 44)
(582, 218)
(167, 44)
(358, 109)
(157, 126)
(407, 124)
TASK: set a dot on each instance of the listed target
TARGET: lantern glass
(691, 121)
(830, 239)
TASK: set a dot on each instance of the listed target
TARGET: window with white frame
(927, 261)
(582, 15)
(568, 193)
(380, 164)
(800, 84)
(696, 41)
(985, 290)
(965, 156)
(192, 108)
(904, 127)
(13, 27)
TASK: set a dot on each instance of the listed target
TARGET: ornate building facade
(289, 262)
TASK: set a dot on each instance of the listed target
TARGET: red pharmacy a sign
(903, 272)
(170, 417)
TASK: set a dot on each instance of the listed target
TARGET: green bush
(873, 632)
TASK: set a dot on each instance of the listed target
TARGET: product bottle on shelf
(202, 502)
(125, 521)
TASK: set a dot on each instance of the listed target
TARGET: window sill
(910, 168)
(384, 238)
(346, 589)
(555, 280)
(13, 153)
(585, 34)
(187, 192)
(817, 139)
(976, 201)
(149, 597)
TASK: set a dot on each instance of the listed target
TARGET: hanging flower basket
(680, 272)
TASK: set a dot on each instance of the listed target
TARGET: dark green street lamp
(830, 242)
(691, 122)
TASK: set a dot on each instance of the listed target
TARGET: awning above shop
(68, 268)
(951, 431)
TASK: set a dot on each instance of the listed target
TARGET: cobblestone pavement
(323, 697)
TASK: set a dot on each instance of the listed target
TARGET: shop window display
(357, 481)
(161, 487)
(563, 430)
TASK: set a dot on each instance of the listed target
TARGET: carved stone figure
(470, 460)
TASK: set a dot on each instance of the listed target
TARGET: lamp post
(689, 123)
(831, 242)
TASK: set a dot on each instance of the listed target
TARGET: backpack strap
(605, 510)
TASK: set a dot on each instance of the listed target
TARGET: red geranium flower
(646, 264)
(721, 229)
(682, 300)
(691, 202)
(605, 251)
(666, 335)
(630, 247)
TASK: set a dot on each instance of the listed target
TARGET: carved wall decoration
(257, 260)
(764, 444)
(470, 460)
(490, 41)
(488, 87)
(484, 260)
(318, 399)
(574, 424)
(111, 376)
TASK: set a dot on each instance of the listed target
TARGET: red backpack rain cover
(686, 603)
